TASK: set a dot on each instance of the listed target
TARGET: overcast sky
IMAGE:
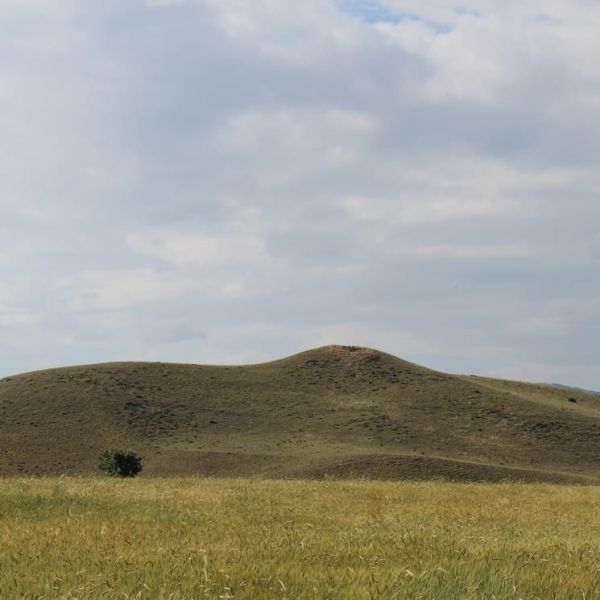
(230, 181)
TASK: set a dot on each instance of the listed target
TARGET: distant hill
(337, 411)
(576, 389)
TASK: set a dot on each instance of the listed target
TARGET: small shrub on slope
(121, 463)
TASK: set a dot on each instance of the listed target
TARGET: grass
(337, 410)
(192, 538)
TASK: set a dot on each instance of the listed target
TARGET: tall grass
(204, 538)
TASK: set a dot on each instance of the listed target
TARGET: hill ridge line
(296, 415)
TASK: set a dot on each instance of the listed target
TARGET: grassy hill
(335, 411)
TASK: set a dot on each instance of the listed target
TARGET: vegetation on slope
(342, 411)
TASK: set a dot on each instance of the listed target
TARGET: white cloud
(421, 210)
(123, 288)
(540, 324)
(277, 148)
(296, 37)
(181, 249)
(270, 175)
(14, 318)
(491, 251)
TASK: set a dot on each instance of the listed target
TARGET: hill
(337, 411)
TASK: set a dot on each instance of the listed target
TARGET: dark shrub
(121, 463)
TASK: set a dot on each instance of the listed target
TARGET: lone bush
(121, 463)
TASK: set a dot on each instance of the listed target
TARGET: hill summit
(342, 411)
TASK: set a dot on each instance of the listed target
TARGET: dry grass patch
(204, 538)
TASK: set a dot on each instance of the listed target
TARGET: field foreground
(209, 538)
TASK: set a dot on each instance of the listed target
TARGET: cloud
(476, 252)
(185, 249)
(124, 288)
(217, 180)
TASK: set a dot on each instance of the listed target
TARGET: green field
(213, 538)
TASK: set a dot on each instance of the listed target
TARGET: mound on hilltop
(342, 411)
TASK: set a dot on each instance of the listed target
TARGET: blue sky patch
(373, 12)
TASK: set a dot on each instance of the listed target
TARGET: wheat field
(193, 538)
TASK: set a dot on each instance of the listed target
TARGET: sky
(225, 182)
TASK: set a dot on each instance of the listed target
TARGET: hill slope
(337, 410)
